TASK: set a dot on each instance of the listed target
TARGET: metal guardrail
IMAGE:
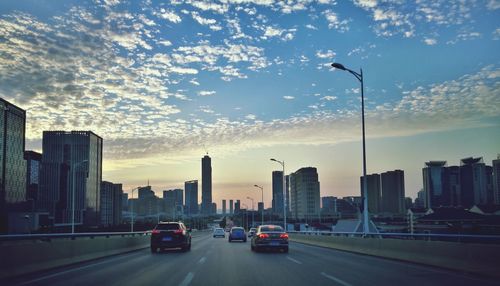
(428, 236)
(49, 236)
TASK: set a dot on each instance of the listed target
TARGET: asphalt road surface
(215, 261)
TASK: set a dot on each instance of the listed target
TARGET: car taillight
(178, 231)
(284, 235)
(263, 235)
(155, 231)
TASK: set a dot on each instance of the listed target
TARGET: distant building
(277, 201)
(111, 203)
(374, 192)
(305, 193)
(496, 180)
(328, 205)
(191, 189)
(393, 192)
(147, 203)
(231, 205)
(12, 163)
(237, 206)
(434, 184)
(206, 185)
(223, 207)
(173, 202)
(214, 208)
(33, 164)
(71, 160)
(125, 202)
(474, 178)
(260, 206)
(420, 201)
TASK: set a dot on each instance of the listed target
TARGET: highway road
(215, 261)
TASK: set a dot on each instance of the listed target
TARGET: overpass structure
(315, 258)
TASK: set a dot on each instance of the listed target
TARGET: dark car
(237, 233)
(270, 237)
(170, 235)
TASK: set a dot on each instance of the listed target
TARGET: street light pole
(359, 76)
(262, 212)
(253, 210)
(73, 171)
(284, 192)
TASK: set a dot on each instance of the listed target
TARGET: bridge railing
(410, 236)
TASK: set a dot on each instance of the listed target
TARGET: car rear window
(271, 228)
(238, 230)
(168, 226)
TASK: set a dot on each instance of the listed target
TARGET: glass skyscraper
(12, 163)
(191, 194)
(71, 160)
(206, 185)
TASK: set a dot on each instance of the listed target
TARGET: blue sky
(162, 82)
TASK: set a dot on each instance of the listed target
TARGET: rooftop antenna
(206, 150)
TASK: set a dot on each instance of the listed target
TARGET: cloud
(430, 42)
(169, 15)
(206, 92)
(328, 54)
(251, 116)
(334, 22)
(288, 97)
(329, 98)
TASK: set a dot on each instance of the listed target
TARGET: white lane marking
(342, 282)
(187, 280)
(294, 260)
(202, 260)
(76, 269)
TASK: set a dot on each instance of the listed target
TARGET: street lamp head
(339, 66)
(274, 160)
(256, 186)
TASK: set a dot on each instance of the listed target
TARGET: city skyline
(165, 83)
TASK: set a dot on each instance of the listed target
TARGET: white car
(219, 232)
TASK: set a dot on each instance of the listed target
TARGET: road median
(482, 259)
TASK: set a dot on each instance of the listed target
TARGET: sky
(164, 82)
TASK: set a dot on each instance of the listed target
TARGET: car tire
(154, 249)
(229, 240)
(244, 240)
(252, 248)
(285, 250)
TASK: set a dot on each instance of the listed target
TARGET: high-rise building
(277, 201)
(420, 201)
(71, 164)
(328, 205)
(496, 180)
(173, 201)
(231, 205)
(206, 185)
(33, 164)
(125, 202)
(474, 178)
(305, 193)
(214, 208)
(223, 207)
(434, 178)
(191, 189)
(12, 163)
(145, 192)
(393, 192)
(452, 188)
(374, 194)
(260, 206)
(237, 206)
(111, 203)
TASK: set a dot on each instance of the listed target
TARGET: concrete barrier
(483, 259)
(22, 257)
